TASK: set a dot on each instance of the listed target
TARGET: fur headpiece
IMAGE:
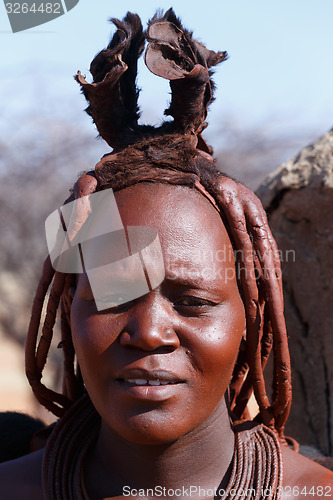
(172, 53)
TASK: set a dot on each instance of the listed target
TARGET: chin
(148, 429)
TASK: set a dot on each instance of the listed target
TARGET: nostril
(164, 349)
(125, 337)
(170, 334)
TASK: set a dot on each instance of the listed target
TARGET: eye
(191, 304)
(119, 303)
(114, 299)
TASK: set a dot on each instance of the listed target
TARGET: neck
(200, 458)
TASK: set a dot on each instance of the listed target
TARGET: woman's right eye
(111, 299)
(114, 303)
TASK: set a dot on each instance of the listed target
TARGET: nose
(150, 325)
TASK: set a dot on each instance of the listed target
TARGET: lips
(141, 381)
(139, 377)
(156, 385)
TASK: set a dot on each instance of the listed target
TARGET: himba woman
(156, 387)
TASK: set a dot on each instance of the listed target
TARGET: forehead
(177, 212)
(190, 229)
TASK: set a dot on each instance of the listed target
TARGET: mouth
(140, 376)
(157, 382)
(144, 384)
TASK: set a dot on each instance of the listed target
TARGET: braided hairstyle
(174, 153)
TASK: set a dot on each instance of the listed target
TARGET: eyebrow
(182, 283)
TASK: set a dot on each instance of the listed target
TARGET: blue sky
(280, 66)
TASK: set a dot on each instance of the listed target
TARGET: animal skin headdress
(172, 53)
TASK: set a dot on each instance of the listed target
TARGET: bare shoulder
(304, 478)
(22, 478)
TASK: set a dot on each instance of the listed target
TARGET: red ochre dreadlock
(174, 153)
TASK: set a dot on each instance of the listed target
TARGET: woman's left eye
(190, 301)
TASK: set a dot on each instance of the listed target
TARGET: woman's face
(156, 368)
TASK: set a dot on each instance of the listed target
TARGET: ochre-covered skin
(187, 330)
(189, 327)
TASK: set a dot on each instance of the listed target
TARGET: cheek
(92, 334)
(217, 345)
